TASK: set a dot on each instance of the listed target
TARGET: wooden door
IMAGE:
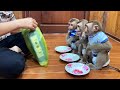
(54, 21)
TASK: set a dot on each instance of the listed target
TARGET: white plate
(63, 49)
(77, 69)
(69, 57)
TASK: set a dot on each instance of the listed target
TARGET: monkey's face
(91, 28)
(79, 29)
(72, 25)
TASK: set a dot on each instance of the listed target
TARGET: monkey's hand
(67, 36)
(88, 48)
(77, 43)
(104, 46)
(83, 39)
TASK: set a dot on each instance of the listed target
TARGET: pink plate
(77, 69)
(69, 57)
(63, 49)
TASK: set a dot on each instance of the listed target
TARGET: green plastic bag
(37, 45)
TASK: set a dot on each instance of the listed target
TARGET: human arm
(7, 27)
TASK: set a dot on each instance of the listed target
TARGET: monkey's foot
(79, 54)
(91, 66)
(74, 51)
(81, 61)
(107, 63)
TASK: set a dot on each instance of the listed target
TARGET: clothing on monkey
(72, 33)
(98, 38)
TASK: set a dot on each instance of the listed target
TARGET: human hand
(29, 23)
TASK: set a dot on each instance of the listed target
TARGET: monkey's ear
(96, 27)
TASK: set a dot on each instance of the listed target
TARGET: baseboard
(113, 37)
(46, 28)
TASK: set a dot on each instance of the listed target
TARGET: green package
(37, 45)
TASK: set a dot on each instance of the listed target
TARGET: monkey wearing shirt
(98, 44)
(71, 37)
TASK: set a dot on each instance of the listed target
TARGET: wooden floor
(55, 68)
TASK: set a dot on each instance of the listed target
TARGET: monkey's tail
(114, 68)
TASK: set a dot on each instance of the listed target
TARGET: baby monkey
(98, 44)
(81, 44)
(71, 37)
